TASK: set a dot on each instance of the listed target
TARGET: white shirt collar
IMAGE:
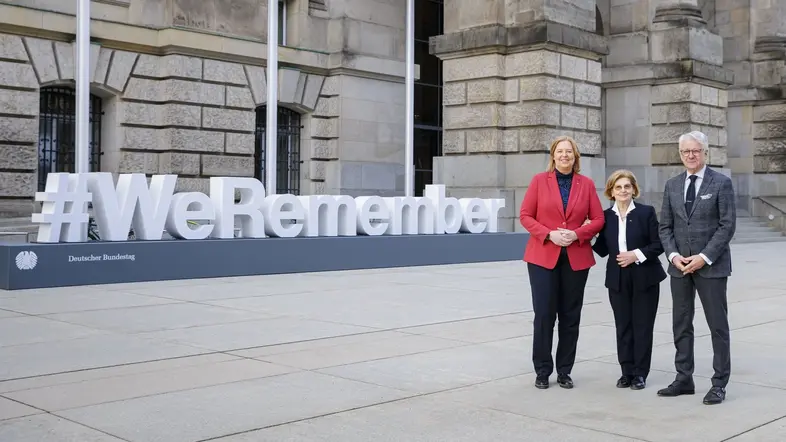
(699, 174)
(617, 210)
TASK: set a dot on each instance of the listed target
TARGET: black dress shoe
(677, 388)
(715, 396)
(638, 383)
(624, 381)
(542, 382)
(565, 381)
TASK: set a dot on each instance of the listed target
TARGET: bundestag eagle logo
(26, 260)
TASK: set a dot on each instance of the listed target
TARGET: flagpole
(271, 127)
(82, 148)
(409, 81)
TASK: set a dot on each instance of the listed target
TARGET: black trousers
(557, 293)
(634, 318)
(712, 293)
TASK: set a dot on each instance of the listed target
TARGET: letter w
(132, 202)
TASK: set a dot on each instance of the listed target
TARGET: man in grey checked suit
(697, 222)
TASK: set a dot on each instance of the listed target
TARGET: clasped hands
(688, 265)
(563, 237)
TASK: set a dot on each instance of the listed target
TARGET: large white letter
(329, 215)
(410, 215)
(132, 203)
(493, 206)
(180, 215)
(252, 200)
(372, 208)
(64, 215)
(280, 208)
(475, 215)
(448, 214)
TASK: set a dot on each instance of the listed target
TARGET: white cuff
(704, 257)
(640, 256)
(671, 257)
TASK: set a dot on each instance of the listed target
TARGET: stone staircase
(755, 230)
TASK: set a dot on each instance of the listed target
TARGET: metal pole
(271, 128)
(409, 80)
(82, 148)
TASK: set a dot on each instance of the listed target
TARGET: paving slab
(406, 354)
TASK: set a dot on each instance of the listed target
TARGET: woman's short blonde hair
(576, 154)
(616, 176)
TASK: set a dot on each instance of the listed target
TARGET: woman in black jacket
(633, 275)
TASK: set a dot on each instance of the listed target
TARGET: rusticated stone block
(772, 112)
(676, 93)
(532, 63)
(718, 117)
(65, 60)
(481, 66)
(324, 127)
(13, 102)
(454, 93)
(546, 88)
(769, 147)
(230, 119)
(169, 114)
(316, 170)
(169, 66)
(574, 117)
(17, 184)
(324, 149)
(42, 55)
(17, 75)
(589, 143)
(11, 48)
(327, 107)
(240, 143)
(312, 89)
(769, 130)
(193, 185)
(120, 69)
(179, 163)
(17, 157)
(533, 113)
(224, 72)
(573, 67)
(138, 162)
(454, 141)
(665, 154)
(484, 140)
(671, 133)
(594, 119)
(19, 130)
(485, 90)
(477, 116)
(214, 165)
(538, 139)
(587, 94)
(769, 163)
(193, 140)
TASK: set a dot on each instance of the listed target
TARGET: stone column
(516, 76)
(663, 79)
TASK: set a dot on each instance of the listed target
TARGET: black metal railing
(57, 132)
(288, 150)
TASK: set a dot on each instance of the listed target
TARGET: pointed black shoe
(715, 396)
(565, 381)
(677, 388)
(624, 381)
(638, 383)
(542, 382)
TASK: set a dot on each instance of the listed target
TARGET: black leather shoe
(715, 396)
(677, 388)
(542, 382)
(638, 383)
(624, 381)
(565, 381)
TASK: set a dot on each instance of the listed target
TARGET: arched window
(288, 150)
(57, 132)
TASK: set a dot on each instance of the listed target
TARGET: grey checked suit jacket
(709, 227)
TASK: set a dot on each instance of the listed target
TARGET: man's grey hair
(698, 137)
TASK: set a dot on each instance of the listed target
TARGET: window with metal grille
(287, 153)
(57, 132)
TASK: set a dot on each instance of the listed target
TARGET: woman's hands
(562, 237)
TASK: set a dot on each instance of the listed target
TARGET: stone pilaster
(660, 84)
(510, 90)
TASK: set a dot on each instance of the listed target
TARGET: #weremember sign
(154, 208)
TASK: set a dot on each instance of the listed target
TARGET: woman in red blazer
(559, 256)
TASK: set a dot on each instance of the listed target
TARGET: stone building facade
(179, 87)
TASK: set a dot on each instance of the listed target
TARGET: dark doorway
(428, 93)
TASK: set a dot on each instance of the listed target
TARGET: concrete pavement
(418, 354)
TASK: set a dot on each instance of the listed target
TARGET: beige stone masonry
(769, 138)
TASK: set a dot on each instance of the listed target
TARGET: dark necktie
(691, 194)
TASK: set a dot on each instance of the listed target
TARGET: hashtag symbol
(64, 214)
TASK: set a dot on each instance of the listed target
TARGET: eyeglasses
(695, 152)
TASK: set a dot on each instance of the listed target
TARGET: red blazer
(541, 212)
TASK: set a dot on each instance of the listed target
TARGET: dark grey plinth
(54, 265)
